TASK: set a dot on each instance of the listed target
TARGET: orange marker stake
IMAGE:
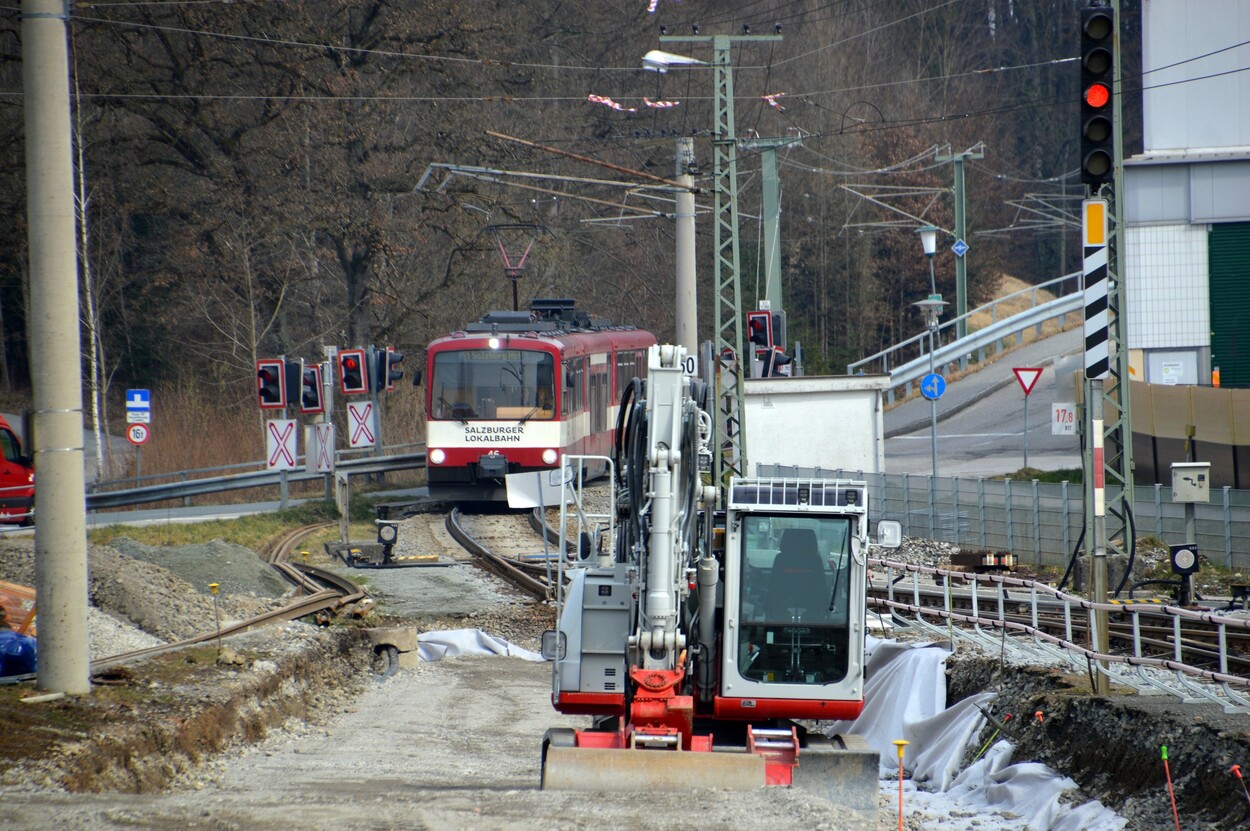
(1171, 793)
(1237, 772)
(900, 744)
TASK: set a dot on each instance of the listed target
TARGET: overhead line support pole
(961, 233)
(56, 354)
(687, 302)
(771, 188)
(732, 458)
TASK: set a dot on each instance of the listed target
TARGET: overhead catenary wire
(884, 124)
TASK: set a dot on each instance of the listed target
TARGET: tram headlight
(437, 457)
(493, 343)
(550, 456)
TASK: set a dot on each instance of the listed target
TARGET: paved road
(117, 445)
(981, 418)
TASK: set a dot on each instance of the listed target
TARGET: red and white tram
(516, 391)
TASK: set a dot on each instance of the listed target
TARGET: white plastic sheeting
(905, 698)
(434, 646)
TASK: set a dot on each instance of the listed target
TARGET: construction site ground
(297, 730)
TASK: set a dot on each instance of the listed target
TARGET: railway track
(500, 542)
(321, 590)
(1037, 619)
(1154, 626)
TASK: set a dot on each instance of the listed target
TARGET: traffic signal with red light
(271, 383)
(310, 389)
(353, 372)
(760, 329)
(1098, 127)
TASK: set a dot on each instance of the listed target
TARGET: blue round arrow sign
(932, 386)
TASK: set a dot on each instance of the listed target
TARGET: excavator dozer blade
(843, 770)
(600, 769)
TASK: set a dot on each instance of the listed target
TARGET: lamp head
(931, 307)
(658, 60)
(928, 239)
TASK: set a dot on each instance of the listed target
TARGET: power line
(873, 30)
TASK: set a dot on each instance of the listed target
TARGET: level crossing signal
(310, 400)
(1097, 96)
(767, 329)
(774, 362)
(387, 369)
(353, 372)
(760, 329)
(271, 383)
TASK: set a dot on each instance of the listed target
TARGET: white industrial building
(1186, 204)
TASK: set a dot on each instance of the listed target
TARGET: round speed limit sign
(137, 433)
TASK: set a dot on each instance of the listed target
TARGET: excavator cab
(794, 606)
(794, 616)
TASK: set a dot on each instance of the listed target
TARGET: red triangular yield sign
(1027, 376)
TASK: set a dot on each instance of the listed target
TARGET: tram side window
(598, 401)
(574, 382)
(629, 365)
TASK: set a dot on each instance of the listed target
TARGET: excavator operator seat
(799, 584)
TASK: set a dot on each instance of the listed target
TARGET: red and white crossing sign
(361, 428)
(280, 443)
(1027, 376)
(138, 433)
(319, 448)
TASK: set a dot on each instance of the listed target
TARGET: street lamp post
(932, 309)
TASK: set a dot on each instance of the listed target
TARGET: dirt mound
(1111, 745)
(235, 568)
(154, 597)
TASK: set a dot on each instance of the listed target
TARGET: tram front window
(795, 599)
(492, 384)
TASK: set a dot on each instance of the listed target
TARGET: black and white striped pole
(1094, 229)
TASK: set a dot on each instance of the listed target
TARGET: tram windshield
(492, 384)
(795, 599)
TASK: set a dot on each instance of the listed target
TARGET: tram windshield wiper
(526, 417)
(450, 410)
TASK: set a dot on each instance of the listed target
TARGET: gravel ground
(454, 744)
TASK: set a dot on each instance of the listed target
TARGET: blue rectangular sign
(138, 400)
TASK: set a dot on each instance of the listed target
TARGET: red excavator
(718, 626)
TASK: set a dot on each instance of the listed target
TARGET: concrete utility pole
(56, 355)
(687, 278)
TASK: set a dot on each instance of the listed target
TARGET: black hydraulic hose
(632, 393)
(1132, 549)
(1160, 582)
(1072, 560)
(630, 446)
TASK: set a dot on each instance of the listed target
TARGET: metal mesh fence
(1041, 522)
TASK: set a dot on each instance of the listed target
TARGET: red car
(17, 479)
